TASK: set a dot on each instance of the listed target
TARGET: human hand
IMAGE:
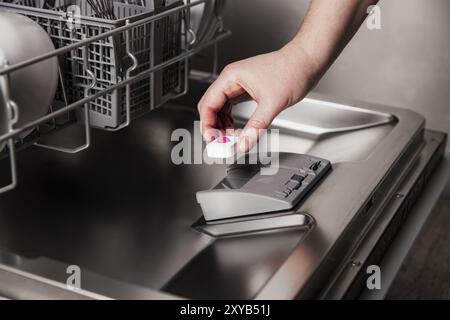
(275, 81)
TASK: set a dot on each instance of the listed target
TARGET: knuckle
(229, 70)
(228, 91)
(258, 123)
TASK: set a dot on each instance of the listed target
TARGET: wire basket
(70, 21)
(114, 65)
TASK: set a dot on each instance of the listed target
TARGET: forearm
(328, 27)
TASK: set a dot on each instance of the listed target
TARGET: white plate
(32, 88)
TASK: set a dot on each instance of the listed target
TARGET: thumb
(255, 127)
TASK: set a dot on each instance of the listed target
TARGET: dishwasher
(91, 184)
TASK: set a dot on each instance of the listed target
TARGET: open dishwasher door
(123, 212)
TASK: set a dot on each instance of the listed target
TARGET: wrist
(306, 67)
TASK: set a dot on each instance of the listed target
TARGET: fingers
(256, 126)
(241, 98)
(224, 118)
(216, 98)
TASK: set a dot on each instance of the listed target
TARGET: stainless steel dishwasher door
(123, 211)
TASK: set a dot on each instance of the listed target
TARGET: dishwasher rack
(110, 71)
(109, 59)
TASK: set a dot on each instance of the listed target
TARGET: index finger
(215, 98)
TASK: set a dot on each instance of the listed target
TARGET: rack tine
(12, 160)
(13, 117)
(128, 74)
(87, 127)
(190, 31)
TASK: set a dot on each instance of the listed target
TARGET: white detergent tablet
(222, 147)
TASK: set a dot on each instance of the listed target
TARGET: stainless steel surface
(410, 233)
(19, 285)
(407, 184)
(19, 281)
(307, 123)
(130, 218)
(318, 118)
(255, 224)
(133, 229)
